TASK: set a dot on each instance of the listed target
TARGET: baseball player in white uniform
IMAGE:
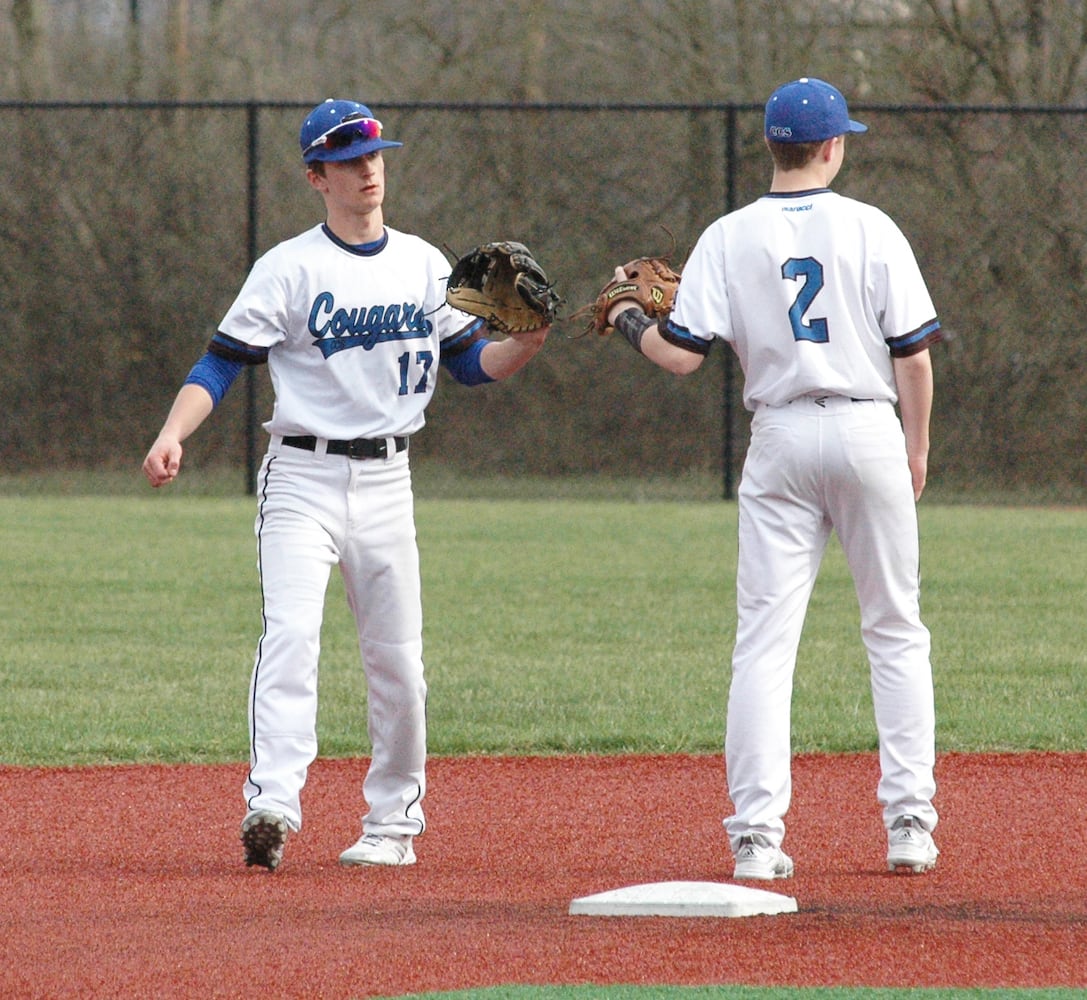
(822, 300)
(352, 321)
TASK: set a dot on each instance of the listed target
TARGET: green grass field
(588, 621)
(552, 625)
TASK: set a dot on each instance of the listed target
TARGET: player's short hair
(317, 166)
(793, 155)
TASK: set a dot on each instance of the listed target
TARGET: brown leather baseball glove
(650, 283)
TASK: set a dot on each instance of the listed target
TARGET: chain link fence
(128, 229)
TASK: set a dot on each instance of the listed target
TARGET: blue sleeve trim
(232, 349)
(214, 373)
(916, 341)
(465, 365)
(680, 336)
(462, 340)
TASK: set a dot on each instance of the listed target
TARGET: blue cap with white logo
(808, 110)
(341, 130)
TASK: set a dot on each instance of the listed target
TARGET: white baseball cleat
(910, 846)
(378, 849)
(758, 859)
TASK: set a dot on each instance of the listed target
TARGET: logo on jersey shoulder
(338, 329)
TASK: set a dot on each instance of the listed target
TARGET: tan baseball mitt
(504, 284)
(650, 283)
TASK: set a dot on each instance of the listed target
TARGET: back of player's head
(808, 110)
(341, 130)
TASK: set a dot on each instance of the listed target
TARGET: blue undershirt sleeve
(214, 373)
(465, 365)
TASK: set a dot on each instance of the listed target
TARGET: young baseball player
(351, 318)
(822, 300)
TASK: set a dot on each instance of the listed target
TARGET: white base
(684, 899)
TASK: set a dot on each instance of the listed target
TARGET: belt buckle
(362, 448)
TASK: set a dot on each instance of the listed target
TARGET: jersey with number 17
(816, 292)
(353, 336)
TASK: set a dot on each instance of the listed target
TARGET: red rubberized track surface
(128, 882)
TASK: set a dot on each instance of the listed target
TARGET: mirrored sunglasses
(350, 130)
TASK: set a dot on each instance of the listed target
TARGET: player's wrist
(529, 339)
(631, 324)
(618, 308)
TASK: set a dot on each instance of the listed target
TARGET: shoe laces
(751, 844)
(908, 828)
(398, 844)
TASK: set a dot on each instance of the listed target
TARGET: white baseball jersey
(354, 336)
(838, 293)
(818, 294)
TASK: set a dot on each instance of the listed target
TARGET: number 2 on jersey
(815, 331)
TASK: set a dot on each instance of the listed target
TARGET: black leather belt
(358, 448)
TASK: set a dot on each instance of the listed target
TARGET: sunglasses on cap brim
(347, 132)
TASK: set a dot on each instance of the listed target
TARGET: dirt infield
(128, 882)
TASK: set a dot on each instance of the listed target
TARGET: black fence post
(252, 125)
(731, 140)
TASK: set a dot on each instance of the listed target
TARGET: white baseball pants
(813, 467)
(316, 511)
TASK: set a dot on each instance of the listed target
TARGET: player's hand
(919, 474)
(163, 461)
(623, 304)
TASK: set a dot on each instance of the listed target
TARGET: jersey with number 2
(816, 292)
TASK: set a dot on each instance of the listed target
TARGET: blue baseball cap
(341, 130)
(808, 110)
